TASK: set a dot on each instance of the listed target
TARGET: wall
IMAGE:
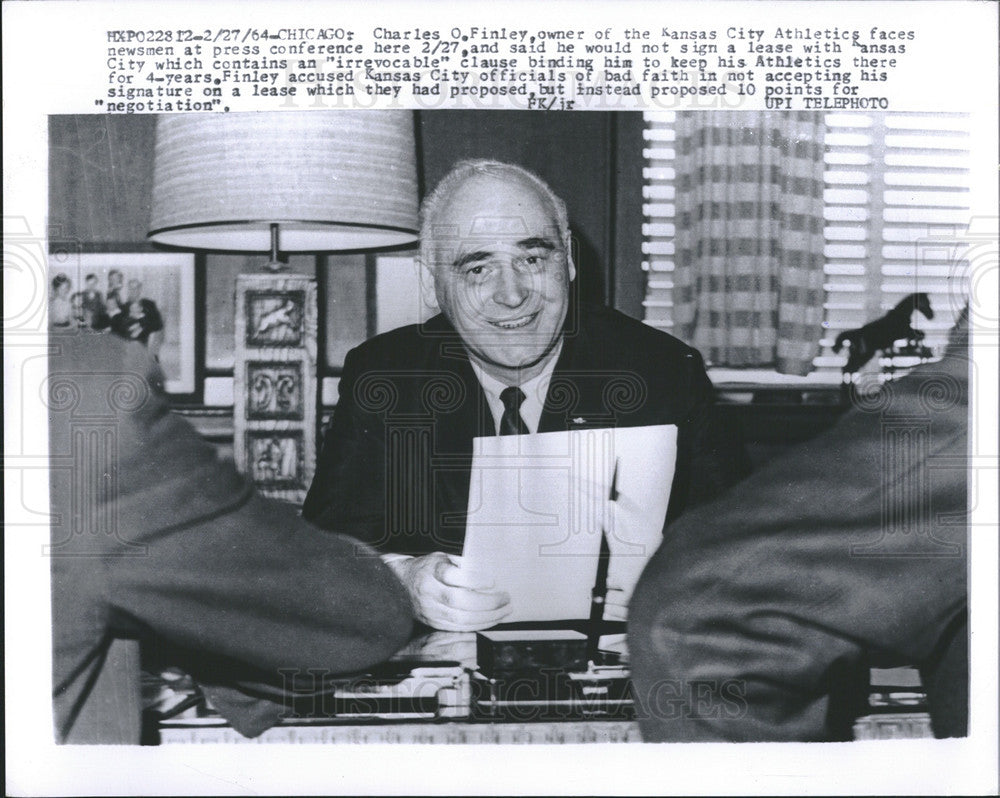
(100, 179)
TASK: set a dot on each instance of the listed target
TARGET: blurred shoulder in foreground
(759, 615)
(155, 539)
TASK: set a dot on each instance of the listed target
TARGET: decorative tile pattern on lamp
(275, 318)
(274, 414)
(274, 391)
(276, 459)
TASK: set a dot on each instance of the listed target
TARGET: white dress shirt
(534, 389)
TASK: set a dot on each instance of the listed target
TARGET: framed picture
(146, 297)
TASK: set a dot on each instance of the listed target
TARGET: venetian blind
(896, 203)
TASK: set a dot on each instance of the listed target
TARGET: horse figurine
(880, 334)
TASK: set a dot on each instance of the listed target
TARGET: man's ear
(427, 290)
(570, 265)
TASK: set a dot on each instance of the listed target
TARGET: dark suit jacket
(154, 539)
(394, 469)
(758, 617)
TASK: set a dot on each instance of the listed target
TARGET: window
(896, 198)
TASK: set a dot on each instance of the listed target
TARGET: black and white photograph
(740, 291)
(144, 297)
(625, 434)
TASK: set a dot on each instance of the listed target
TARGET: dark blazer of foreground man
(760, 611)
(155, 539)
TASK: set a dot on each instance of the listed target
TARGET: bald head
(496, 248)
(471, 170)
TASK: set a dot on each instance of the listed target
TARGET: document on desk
(538, 505)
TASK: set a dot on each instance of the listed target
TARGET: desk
(432, 692)
(443, 700)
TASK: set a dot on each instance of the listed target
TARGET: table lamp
(278, 182)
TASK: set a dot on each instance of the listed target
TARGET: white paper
(645, 458)
(538, 505)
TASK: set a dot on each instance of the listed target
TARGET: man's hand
(444, 597)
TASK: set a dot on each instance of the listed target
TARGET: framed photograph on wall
(146, 297)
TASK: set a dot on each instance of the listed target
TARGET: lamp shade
(331, 180)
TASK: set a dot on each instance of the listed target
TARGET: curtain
(748, 284)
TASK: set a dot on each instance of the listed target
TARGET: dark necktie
(511, 422)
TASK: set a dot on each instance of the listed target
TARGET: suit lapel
(569, 382)
(553, 418)
(471, 417)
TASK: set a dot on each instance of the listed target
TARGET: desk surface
(445, 700)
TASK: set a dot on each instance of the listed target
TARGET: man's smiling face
(502, 273)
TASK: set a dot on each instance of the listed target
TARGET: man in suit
(510, 353)
(93, 304)
(115, 302)
(155, 541)
(140, 320)
(758, 618)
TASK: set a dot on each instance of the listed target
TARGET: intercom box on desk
(502, 653)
